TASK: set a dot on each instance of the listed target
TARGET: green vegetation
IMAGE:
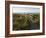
(26, 21)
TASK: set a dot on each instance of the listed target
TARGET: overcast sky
(25, 10)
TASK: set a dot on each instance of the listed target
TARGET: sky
(22, 10)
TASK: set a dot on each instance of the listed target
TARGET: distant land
(25, 13)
